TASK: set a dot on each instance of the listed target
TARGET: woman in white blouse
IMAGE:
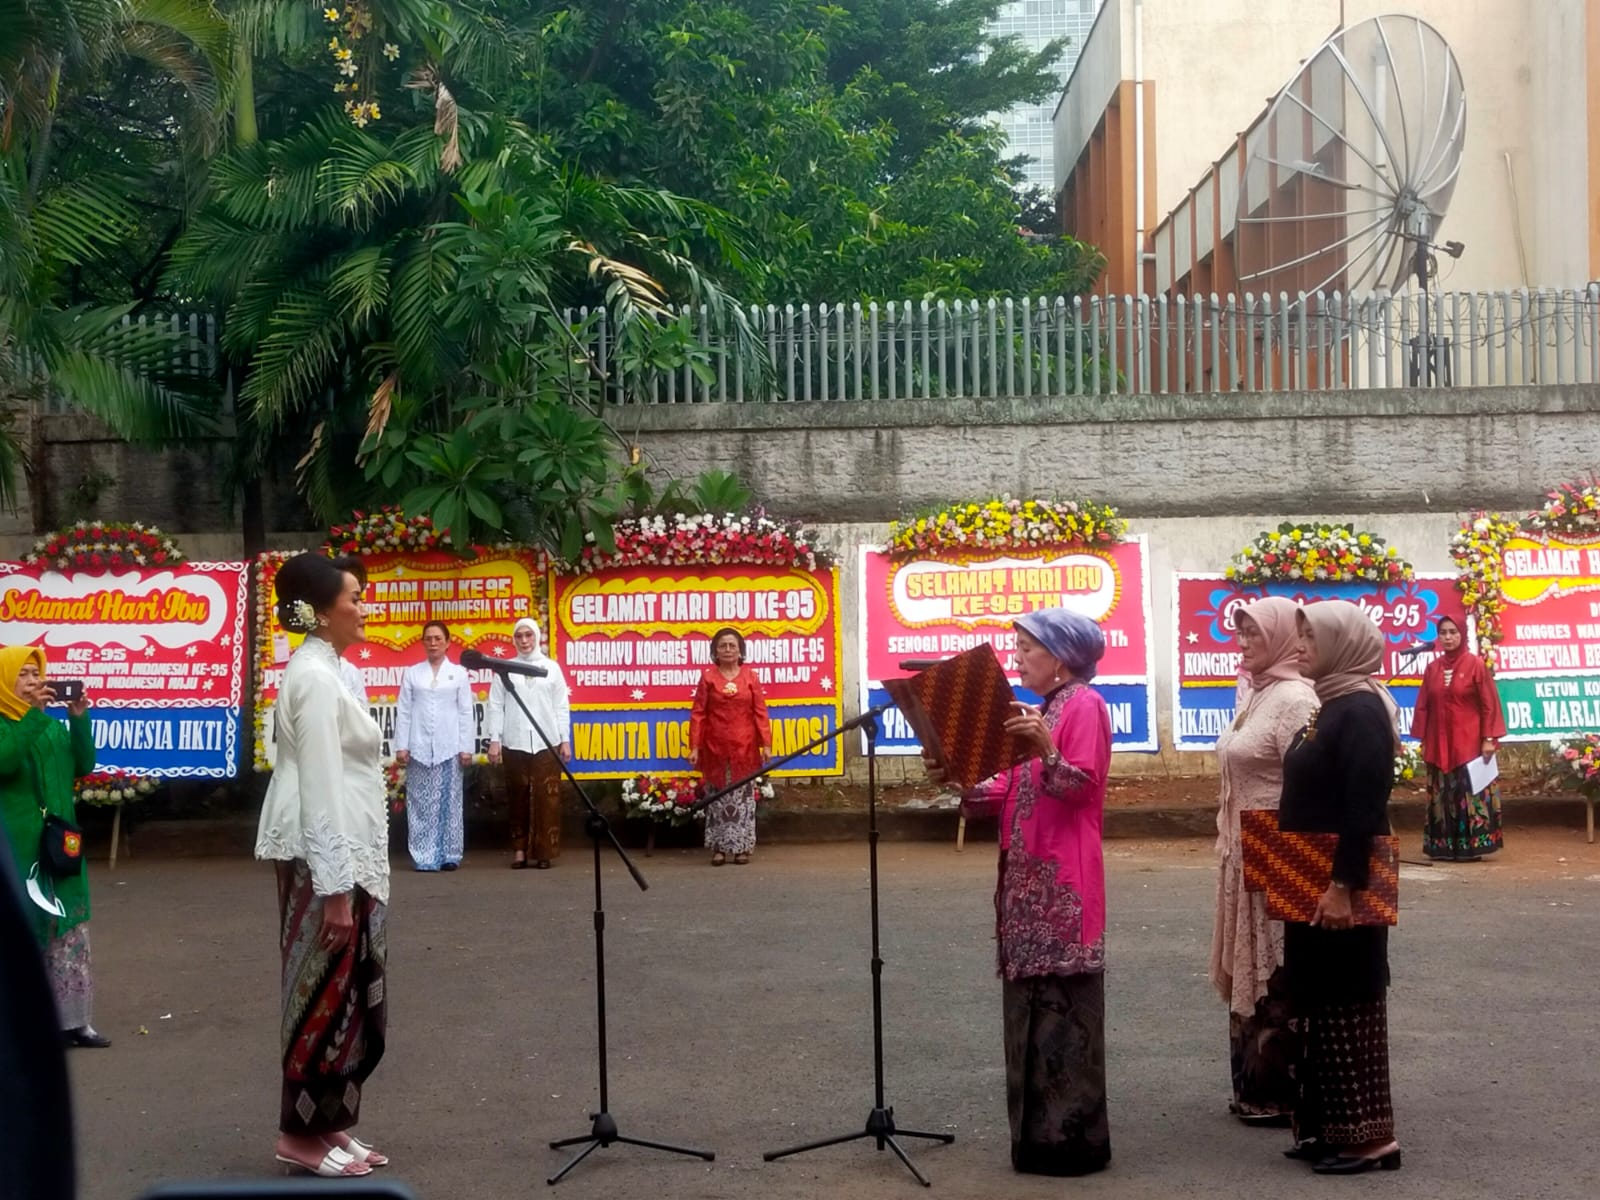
(323, 824)
(433, 737)
(532, 774)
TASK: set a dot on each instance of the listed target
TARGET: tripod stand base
(881, 1128)
(604, 1133)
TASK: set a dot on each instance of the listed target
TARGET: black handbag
(60, 847)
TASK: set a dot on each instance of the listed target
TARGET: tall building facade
(1153, 130)
(1036, 23)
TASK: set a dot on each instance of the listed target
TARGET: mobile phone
(68, 691)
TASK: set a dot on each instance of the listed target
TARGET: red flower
(160, 556)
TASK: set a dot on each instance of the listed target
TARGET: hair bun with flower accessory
(297, 616)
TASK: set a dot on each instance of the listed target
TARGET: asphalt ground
(741, 1022)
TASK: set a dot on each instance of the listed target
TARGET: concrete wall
(1152, 456)
(81, 471)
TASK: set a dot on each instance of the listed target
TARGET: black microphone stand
(880, 1121)
(603, 1131)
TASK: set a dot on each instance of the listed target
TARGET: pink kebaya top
(1050, 906)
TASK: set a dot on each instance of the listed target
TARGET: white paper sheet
(1481, 774)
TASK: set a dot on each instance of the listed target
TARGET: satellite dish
(1353, 163)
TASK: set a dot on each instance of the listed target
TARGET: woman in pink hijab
(1247, 946)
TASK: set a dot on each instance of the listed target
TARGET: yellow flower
(333, 43)
(342, 54)
(330, 14)
(391, 51)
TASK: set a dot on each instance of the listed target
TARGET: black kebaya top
(1336, 779)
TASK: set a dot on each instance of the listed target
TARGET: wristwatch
(1052, 760)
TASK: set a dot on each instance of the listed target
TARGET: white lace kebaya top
(325, 803)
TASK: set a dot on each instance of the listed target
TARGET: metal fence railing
(194, 333)
(1098, 345)
(1093, 345)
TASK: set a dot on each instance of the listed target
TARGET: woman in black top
(1336, 779)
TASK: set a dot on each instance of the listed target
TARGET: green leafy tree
(394, 281)
(847, 139)
(76, 171)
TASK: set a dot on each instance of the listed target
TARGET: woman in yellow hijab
(39, 760)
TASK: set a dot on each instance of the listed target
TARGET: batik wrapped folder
(1293, 870)
(958, 709)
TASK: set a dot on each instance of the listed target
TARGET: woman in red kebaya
(1458, 718)
(729, 737)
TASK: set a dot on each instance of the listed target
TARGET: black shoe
(542, 865)
(520, 864)
(86, 1038)
(1341, 1164)
(1311, 1150)
(449, 866)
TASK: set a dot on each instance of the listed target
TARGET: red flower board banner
(160, 651)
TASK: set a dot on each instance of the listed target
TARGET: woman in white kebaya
(532, 770)
(433, 737)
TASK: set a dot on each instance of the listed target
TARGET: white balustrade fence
(196, 333)
(1097, 345)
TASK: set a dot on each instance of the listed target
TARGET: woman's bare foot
(1378, 1149)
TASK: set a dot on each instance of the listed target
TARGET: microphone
(1419, 647)
(476, 660)
(920, 664)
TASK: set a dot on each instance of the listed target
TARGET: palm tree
(395, 291)
(61, 221)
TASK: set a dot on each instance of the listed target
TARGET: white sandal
(336, 1164)
(363, 1153)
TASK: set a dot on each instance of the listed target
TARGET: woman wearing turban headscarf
(39, 760)
(1246, 945)
(532, 771)
(1050, 905)
(1458, 718)
(1336, 779)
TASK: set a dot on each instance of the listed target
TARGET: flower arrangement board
(935, 605)
(1206, 650)
(160, 650)
(480, 599)
(633, 642)
(1547, 660)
